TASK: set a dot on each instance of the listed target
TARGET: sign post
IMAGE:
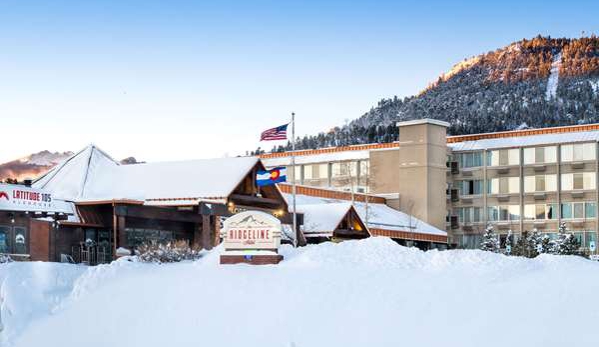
(251, 237)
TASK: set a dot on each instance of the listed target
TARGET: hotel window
(540, 183)
(504, 213)
(323, 171)
(469, 159)
(468, 214)
(579, 210)
(590, 236)
(503, 185)
(579, 180)
(364, 172)
(540, 155)
(540, 211)
(294, 173)
(345, 169)
(308, 172)
(578, 152)
(470, 187)
(503, 157)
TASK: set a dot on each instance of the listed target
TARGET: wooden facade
(105, 227)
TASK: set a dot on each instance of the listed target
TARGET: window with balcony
(504, 213)
(469, 159)
(364, 172)
(345, 169)
(468, 215)
(503, 185)
(470, 187)
(540, 211)
(503, 157)
(540, 155)
(578, 152)
(540, 183)
(293, 174)
(578, 181)
(579, 210)
(308, 172)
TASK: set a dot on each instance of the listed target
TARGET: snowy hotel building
(516, 180)
(99, 209)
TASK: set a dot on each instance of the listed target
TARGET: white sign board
(252, 230)
(22, 198)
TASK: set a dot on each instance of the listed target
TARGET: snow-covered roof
(323, 219)
(318, 158)
(374, 215)
(91, 175)
(529, 140)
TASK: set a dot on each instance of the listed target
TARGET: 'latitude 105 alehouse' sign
(21, 198)
(251, 237)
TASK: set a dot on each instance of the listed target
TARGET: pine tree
(534, 244)
(546, 244)
(490, 242)
(566, 243)
(528, 244)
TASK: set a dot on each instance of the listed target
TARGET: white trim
(423, 121)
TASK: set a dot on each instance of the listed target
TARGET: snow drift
(358, 293)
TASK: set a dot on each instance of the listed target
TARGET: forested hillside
(540, 82)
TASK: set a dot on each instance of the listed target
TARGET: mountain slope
(37, 164)
(31, 166)
(540, 82)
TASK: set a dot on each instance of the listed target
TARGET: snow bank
(371, 292)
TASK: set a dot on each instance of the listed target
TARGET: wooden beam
(122, 234)
(152, 212)
(255, 200)
(114, 227)
(197, 235)
(206, 232)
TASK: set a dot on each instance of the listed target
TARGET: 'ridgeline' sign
(22, 198)
(252, 230)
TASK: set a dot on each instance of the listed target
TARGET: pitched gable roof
(323, 218)
(69, 179)
(91, 175)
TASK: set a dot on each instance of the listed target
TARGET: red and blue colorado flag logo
(272, 176)
(4, 195)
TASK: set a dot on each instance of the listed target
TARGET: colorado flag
(272, 176)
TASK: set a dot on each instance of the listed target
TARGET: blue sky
(188, 79)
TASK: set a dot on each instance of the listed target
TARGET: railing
(91, 255)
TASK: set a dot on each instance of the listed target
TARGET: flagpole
(293, 190)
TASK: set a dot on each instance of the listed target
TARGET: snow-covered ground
(553, 77)
(358, 293)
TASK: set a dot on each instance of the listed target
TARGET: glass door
(5, 239)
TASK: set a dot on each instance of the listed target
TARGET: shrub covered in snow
(169, 252)
(5, 258)
(534, 243)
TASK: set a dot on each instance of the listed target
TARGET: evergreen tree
(566, 243)
(527, 245)
(546, 244)
(490, 242)
(534, 244)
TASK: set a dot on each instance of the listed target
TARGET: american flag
(278, 133)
